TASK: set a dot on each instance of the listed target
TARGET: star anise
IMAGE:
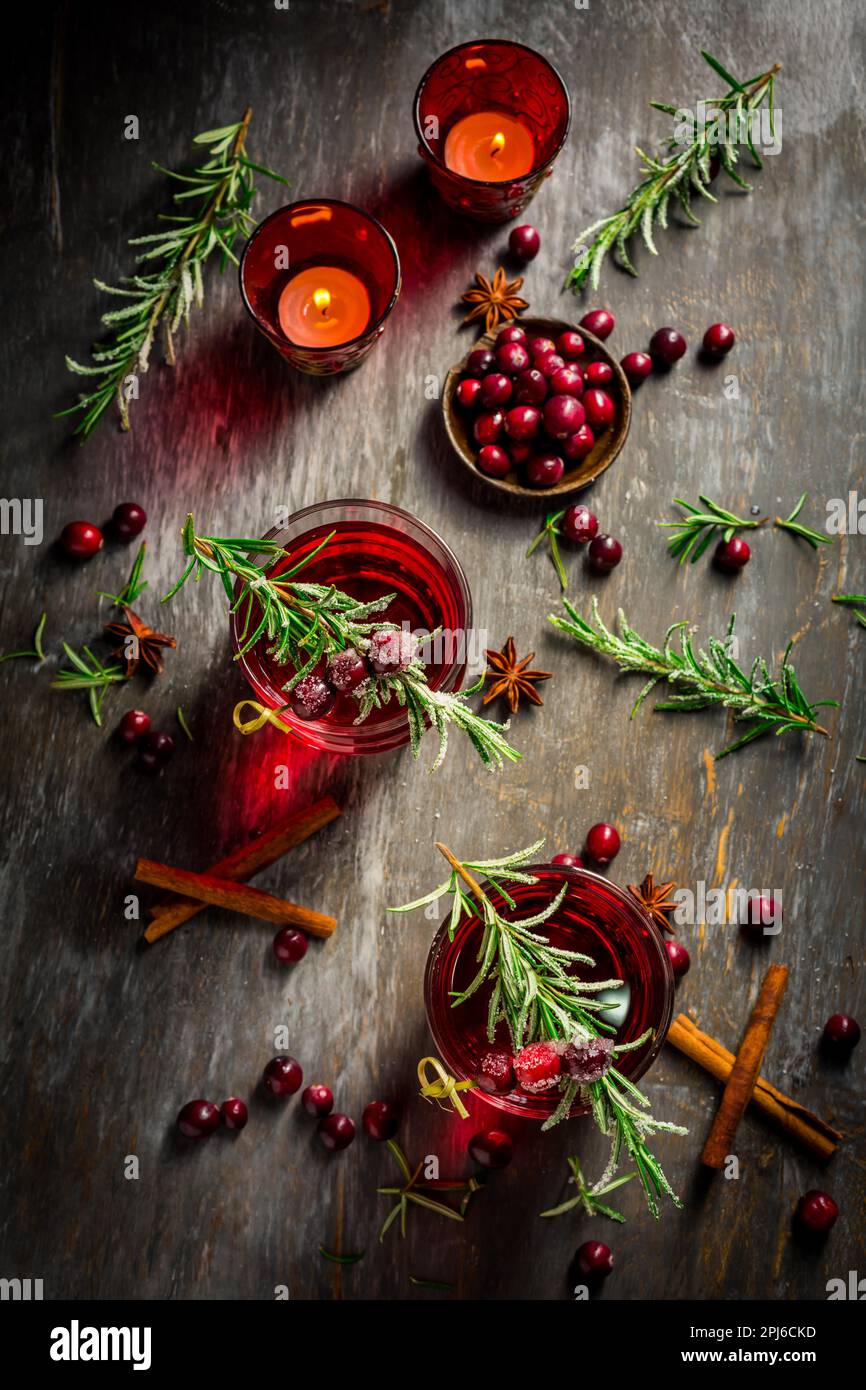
(511, 678)
(656, 900)
(145, 646)
(496, 301)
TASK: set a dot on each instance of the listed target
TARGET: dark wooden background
(104, 1041)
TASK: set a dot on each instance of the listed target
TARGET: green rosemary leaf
(181, 719)
(439, 1285)
(341, 1259)
(37, 650)
(790, 523)
(849, 598)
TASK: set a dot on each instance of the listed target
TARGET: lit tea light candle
(323, 306)
(490, 146)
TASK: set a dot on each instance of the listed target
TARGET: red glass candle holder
(489, 76)
(596, 918)
(315, 271)
(376, 549)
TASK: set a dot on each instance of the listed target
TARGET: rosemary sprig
(683, 170)
(134, 585)
(549, 532)
(415, 1192)
(94, 678)
(305, 623)
(37, 651)
(696, 530)
(772, 703)
(587, 1196)
(854, 599)
(790, 523)
(222, 190)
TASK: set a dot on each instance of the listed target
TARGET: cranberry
(637, 367)
(391, 651)
(599, 408)
(545, 470)
(496, 1072)
(599, 322)
(155, 749)
(133, 724)
(568, 861)
(512, 358)
(841, 1034)
(530, 387)
(522, 422)
(128, 520)
(733, 554)
(579, 524)
(312, 698)
(234, 1113)
(594, 1259)
(290, 945)
(524, 242)
(562, 416)
(198, 1119)
(602, 842)
(598, 374)
(667, 346)
(317, 1100)
(570, 345)
(380, 1120)
(816, 1213)
(492, 1148)
(488, 428)
(579, 444)
(512, 334)
(468, 392)
(548, 363)
(347, 670)
(588, 1061)
(496, 389)
(494, 461)
(762, 911)
(678, 957)
(519, 450)
(568, 381)
(336, 1131)
(537, 1067)
(282, 1076)
(81, 539)
(480, 362)
(719, 339)
(539, 347)
(604, 554)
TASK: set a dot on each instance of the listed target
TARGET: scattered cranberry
(545, 470)
(598, 374)
(524, 242)
(290, 945)
(594, 1259)
(605, 553)
(512, 334)
(522, 422)
(512, 358)
(380, 1120)
(637, 367)
(678, 957)
(602, 842)
(488, 427)
(762, 911)
(579, 444)
(133, 725)
(719, 339)
(494, 461)
(530, 387)
(480, 362)
(579, 524)
(548, 363)
(733, 554)
(568, 381)
(128, 520)
(841, 1034)
(599, 408)
(336, 1131)
(599, 322)
(570, 345)
(816, 1213)
(563, 415)
(539, 347)
(155, 749)
(198, 1119)
(468, 392)
(391, 651)
(81, 539)
(667, 346)
(492, 1148)
(282, 1076)
(317, 1100)
(588, 1061)
(537, 1067)
(496, 1072)
(234, 1113)
(568, 861)
(496, 388)
(312, 698)
(347, 670)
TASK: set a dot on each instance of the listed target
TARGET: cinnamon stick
(802, 1125)
(747, 1065)
(239, 897)
(242, 863)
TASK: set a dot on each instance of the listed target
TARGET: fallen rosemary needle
(37, 651)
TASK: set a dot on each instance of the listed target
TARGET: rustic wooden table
(106, 1040)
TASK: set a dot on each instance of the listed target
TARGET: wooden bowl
(579, 475)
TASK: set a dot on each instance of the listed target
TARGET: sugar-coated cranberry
(576, 446)
(587, 1061)
(495, 1072)
(667, 346)
(479, 362)
(579, 524)
(282, 1076)
(492, 1148)
(762, 911)
(519, 450)
(530, 387)
(570, 345)
(133, 725)
(469, 392)
(512, 333)
(563, 415)
(602, 842)
(816, 1212)
(81, 539)
(380, 1120)
(312, 698)
(155, 749)
(524, 242)
(128, 519)
(604, 554)
(841, 1033)
(719, 339)
(347, 670)
(598, 374)
(290, 945)
(234, 1113)
(488, 427)
(545, 470)
(512, 358)
(496, 389)
(599, 322)
(594, 1259)
(391, 651)
(336, 1131)
(537, 1067)
(733, 554)
(599, 408)
(317, 1100)
(539, 347)
(637, 367)
(494, 461)
(568, 861)
(568, 381)
(678, 957)
(522, 422)
(198, 1119)
(548, 363)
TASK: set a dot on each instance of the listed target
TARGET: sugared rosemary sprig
(550, 532)
(222, 190)
(95, 678)
(305, 623)
(773, 704)
(684, 169)
(697, 529)
(790, 523)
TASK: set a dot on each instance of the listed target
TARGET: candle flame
(322, 300)
(497, 143)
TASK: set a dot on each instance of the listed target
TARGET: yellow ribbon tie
(443, 1090)
(263, 716)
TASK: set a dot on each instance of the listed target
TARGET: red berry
(493, 1148)
(488, 427)
(496, 389)
(391, 651)
(599, 408)
(234, 1113)
(290, 945)
(496, 1072)
(480, 362)
(522, 422)
(667, 346)
(568, 861)
(598, 374)
(494, 461)
(599, 322)
(570, 345)
(380, 1120)
(336, 1131)
(603, 842)
(512, 358)
(733, 554)
(841, 1033)
(524, 242)
(198, 1119)
(816, 1212)
(579, 444)
(155, 749)
(347, 670)
(513, 333)
(81, 539)
(312, 698)
(568, 381)
(719, 339)
(468, 392)
(519, 450)
(594, 1258)
(579, 524)
(538, 347)
(678, 957)
(537, 1067)
(530, 387)
(133, 725)
(637, 367)
(604, 554)
(317, 1100)
(282, 1076)
(545, 470)
(762, 912)
(128, 520)
(562, 416)
(548, 363)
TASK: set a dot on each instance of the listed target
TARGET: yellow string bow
(443, 1090)
(263, 716)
